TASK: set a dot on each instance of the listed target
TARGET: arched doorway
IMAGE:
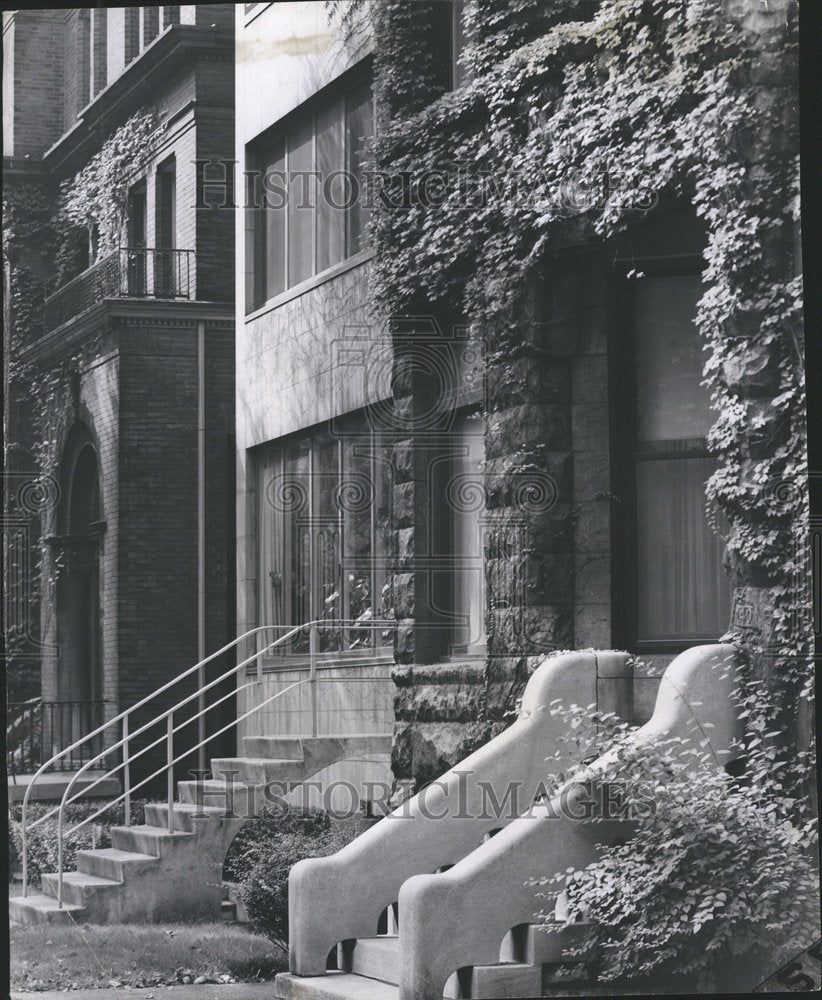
(79, 708)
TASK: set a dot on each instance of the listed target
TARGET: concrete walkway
(228, 991)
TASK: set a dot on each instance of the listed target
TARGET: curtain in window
(683, 592)
(681, 588)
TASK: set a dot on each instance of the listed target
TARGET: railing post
(126, 772)
(313, 645)
(170, 769)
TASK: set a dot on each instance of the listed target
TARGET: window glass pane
(301, 203)
(356, 500)
(331, 187)
(683, 591)
(465, 500)
(270, 569)
(326, 518)
(359, 124)
(383, 527)
(297, 523)
(273, 217)
(670, 402)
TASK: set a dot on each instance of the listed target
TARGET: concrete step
(273, 747)
(183, 817)
(332, 986)
(79, 888)
(376, 957)
(228, 911)
(535, 944)
(38, 908)
(153, 840)
(509, 979)
(229, 797)
(258, 770)
(110, 863)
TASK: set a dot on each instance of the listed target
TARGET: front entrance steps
(150, 874)
(370, 969)
(459, 877)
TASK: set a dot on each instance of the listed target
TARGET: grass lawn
(138, 955)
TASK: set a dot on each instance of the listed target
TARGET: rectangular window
(313, 206)
(323, 531)
(165, 231)
(682, 593)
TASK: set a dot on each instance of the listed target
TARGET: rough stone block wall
(548, 517)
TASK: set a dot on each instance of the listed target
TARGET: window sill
(310, 283)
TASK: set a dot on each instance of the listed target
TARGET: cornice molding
(110, 315)
(139, 85)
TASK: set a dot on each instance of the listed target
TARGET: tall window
(682, 594)
(323, 533)
(462, 523)
(165, 230)
(314, 208)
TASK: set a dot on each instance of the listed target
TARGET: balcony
(129, 272)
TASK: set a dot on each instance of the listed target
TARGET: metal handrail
(167, 714)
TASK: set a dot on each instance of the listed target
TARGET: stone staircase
(458, 884)
(150, 874)
(530, 966)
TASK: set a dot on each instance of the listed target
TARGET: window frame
(625, 453)
(380, 563)
(257, 155)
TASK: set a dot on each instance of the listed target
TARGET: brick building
(120, 400)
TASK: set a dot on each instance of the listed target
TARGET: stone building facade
(487, 558)
(120, 407)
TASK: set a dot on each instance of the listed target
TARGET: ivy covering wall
(596, 111)
(575, 122)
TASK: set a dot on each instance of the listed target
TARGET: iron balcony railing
(36, 730)
(128, 272)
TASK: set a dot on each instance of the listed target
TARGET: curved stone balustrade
(341, 897)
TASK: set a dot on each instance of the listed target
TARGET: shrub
(717, 873)
(42, 840)
(261, 857)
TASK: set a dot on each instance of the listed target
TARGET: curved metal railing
(122, 744)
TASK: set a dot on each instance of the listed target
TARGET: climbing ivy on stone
(576, 118)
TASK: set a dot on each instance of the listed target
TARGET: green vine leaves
(98, 194)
